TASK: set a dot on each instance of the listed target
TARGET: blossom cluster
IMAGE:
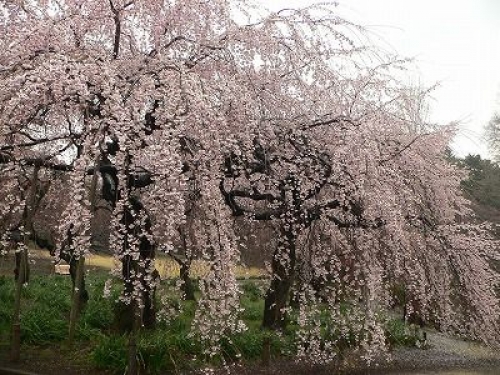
(185, 114)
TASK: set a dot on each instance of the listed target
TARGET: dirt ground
(49, 361)
(443, 356)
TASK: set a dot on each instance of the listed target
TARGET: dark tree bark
(283, 276)
(126, 314)
(293, 200)
(22, 270)
(132, 269)
(142, 307)
(187, 284)
(67, 255)
(184, 261)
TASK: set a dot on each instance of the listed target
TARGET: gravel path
(443, 356)
(446, 355)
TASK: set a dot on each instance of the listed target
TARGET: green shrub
(252, 291)
(169, 348)
(98, 316)
(6, 290)
(157, 351)
(253, 310)
(249, 345)
(98, 313)
(162, 351)
(398, 293)
(398, 333)
(53, 290)
(180, 324)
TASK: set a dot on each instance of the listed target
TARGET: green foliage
(398, 293)
(398, 333)
(252, 302)
(483, 183)
(53, 290)
(110, 353)
(254, 310)
(169, 348)
(6, 304)
(98, 314)
(252, 290)
(158, 351)
(249, 344)
(43, 324)
(46, 308)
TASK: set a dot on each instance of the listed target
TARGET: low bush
(168, 348)
(398, 333)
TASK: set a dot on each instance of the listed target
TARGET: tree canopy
(290, 117)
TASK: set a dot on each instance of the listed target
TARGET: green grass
(110, 352)
(398, 333)
(6, 305)
(169, 348)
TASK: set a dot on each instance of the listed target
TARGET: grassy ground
(42, 263)
(168, 348)
(44, 322)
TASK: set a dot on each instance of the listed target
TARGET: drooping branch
(337, 120)
(402, 149)
(118, 26)
(35, 141)
(6, 158)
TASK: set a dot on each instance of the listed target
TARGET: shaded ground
(449, 353)
(49, 361)
(444, 356)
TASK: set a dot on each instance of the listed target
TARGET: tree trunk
(133, 363)
(187, 285)
(75, 274)
(266, 352)
(278, 293)
(149, 312)
(275, 303)
(80, 295)
(125, 313)
(22, 269)
(22, 276)
(77, 267)
(133, 367)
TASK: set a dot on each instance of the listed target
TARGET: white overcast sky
(454, 42)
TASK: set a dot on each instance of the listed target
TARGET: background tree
(483, 180)
(493, 135)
